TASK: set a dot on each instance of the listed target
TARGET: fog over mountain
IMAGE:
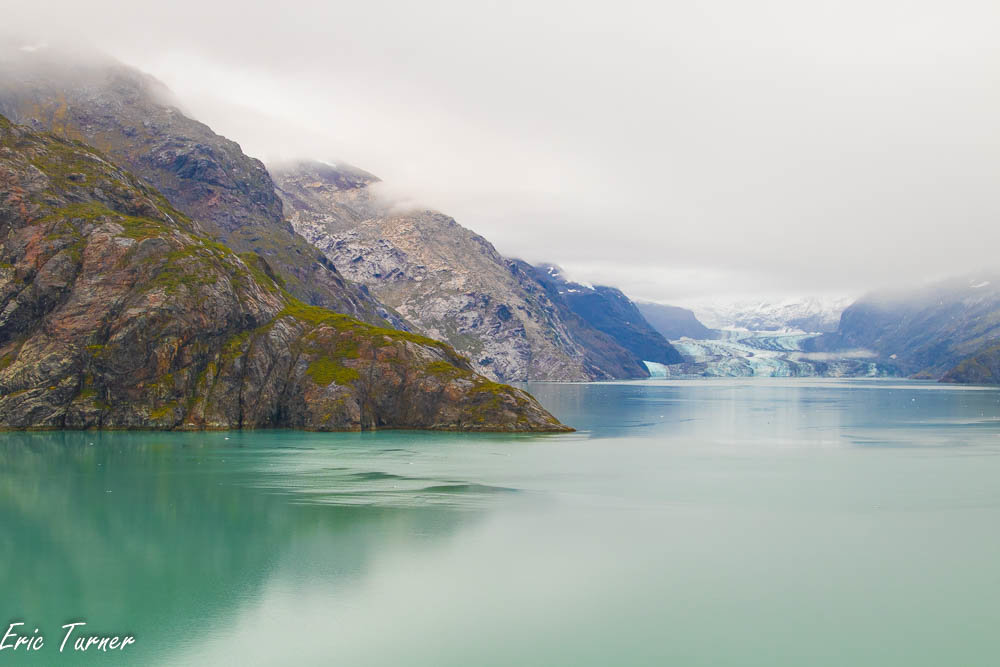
(674, 150)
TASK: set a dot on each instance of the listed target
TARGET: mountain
(611, 312)
(810, 314)
(447, 281)
(602, 353)
(132, 118)
(116, 313)
(673, 322)
(926, 331)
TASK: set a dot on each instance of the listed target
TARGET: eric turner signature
(15, 641)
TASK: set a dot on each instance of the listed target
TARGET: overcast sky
(676, 149)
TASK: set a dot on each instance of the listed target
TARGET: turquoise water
(722, 522)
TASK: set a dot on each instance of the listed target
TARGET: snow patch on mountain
(796, 314)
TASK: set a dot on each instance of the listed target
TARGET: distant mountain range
(948, 330)
(780, 350)
(807, 314)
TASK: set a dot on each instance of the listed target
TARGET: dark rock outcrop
(133, 119)
(116, 313)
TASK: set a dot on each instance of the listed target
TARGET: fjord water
(716, 522)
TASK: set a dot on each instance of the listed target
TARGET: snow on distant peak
(805, 314)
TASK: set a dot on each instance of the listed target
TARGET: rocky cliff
(116, 313)
(133, 119)
(447, 281)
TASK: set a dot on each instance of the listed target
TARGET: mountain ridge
(132, 117)
(116, 313)
(806, 314)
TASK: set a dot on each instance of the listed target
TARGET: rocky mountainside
(132, 118)
(610, 312)
(602, 353)
(116, 313)
(449, 282)
(927, 331)
(674, 322)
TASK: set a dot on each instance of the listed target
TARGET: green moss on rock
(326, 370)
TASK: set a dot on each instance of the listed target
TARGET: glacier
(743, 353)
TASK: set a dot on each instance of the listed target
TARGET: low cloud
(857, 353)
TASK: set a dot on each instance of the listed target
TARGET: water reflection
(685, 522)
(168, 535)
(777, 411)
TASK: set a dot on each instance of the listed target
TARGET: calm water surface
(717, 522)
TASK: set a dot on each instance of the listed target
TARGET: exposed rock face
(447, 281)
(602, 353)
(926, 331)
(130, 117)
(674, 323)
(116, 313)
(610, 312)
